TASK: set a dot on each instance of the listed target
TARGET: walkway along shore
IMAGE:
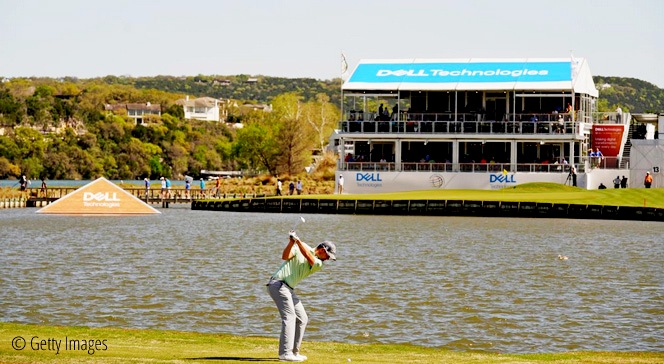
(433, 208)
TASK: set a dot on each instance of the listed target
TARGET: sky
(305, 38)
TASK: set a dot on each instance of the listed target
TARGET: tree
(322, 117)
(295, 151)
(291, 131)
(256, 147)
(11, 111)
(8, 169)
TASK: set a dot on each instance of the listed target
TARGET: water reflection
(465, 283)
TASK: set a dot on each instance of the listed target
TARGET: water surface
(464, 283)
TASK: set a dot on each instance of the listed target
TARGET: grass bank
(115, 345)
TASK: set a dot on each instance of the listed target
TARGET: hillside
(631, 94)
(261, 89)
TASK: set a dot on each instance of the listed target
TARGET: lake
(492, 284)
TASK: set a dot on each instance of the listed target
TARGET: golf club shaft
(299, 220)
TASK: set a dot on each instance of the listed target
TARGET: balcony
(459, 127)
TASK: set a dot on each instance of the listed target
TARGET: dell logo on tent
(99, 196)
(402, 73)
(369, 177)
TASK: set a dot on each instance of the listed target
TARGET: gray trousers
(293, 317)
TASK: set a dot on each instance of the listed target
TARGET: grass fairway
(530, 192)
(152, 346)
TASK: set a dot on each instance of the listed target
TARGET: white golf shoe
(303, 357)
(290, 357)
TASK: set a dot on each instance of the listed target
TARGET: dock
(38, 198)
(432, 208)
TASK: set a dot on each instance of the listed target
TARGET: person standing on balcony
(569, 110)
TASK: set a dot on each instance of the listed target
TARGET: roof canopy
(473, 74)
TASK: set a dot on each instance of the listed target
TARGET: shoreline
(64, 344)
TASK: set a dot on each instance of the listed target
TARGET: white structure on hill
(203, 108)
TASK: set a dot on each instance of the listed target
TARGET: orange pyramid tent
(99, 197)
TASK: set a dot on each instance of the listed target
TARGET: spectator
(616, 182)
(623, 182)
(298, 187)
(44, 189)
(163, 187)
(648, 180)
(23, 183)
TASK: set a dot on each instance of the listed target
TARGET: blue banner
(462, 72)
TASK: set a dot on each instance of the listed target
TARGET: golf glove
(293, 235)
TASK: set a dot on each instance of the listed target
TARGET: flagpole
(344, 68)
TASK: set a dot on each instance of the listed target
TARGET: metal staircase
(624, 162)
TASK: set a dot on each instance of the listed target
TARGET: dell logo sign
(401, 73)
(369, 177)
(501, 178)
(99, 196)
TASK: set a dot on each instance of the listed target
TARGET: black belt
(272, 279)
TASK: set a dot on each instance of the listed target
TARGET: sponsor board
(99, 197)
(471, 72)
(380, 182)
(371, 180)
(608, 138)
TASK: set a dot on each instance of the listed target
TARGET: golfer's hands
(293, 235)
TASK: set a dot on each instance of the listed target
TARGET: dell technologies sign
(463, 72)
(372, 180)
(501, 180)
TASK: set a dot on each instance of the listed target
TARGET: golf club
(300, 220)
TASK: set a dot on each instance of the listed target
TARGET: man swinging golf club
(300, 260)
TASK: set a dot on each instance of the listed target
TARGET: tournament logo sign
(99, 197)
(437, 180)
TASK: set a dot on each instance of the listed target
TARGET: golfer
(300, 260)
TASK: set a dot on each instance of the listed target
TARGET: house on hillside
(203, 108)
(257, 107)
(135, 111)
(218, 82)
